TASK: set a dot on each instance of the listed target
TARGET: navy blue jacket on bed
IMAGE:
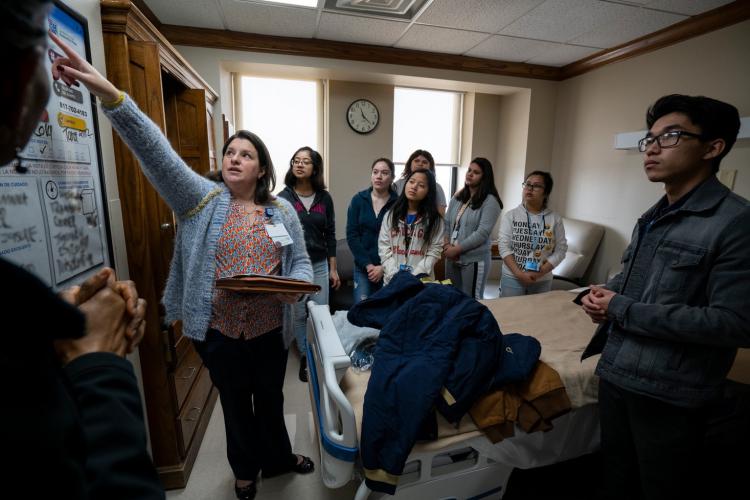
(437, 347)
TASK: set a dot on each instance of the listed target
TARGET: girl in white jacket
(411, 236)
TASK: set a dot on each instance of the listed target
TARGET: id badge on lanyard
(408, 238)
(531, 265)
(277, 232)
(457, 223)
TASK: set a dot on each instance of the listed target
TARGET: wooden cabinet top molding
(124, 17)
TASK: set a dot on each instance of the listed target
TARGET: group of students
(405, 226)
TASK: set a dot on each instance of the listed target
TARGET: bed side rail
(327, 362)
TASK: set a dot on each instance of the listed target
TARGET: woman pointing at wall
(229, 225)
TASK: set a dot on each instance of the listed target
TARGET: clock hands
(363, 116)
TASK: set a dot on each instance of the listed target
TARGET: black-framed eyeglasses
(532, 187)
(666, 140)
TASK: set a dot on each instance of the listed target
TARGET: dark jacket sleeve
(105, 389)
(330, 227)
(354, 234)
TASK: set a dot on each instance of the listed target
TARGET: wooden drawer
(177, 344)
(193, 409)
(185, 375)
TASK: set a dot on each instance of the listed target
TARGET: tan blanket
(564, 331)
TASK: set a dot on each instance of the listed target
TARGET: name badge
(404, 267)
(531, 265)
(279, 235)
(454, 235)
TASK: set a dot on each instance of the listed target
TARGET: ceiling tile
(196, 13)
(564, 20)
(356, 29)
(508, 48)
(562, 55)
(636, 24)
(433, 39)
(280, 20)
(687, 7)
(488, 16)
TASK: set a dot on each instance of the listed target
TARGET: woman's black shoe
(306, 466)
(246, 492)
(303, 369)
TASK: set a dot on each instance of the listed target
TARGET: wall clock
(362, 116)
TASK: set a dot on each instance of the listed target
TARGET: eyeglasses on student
(666, 140)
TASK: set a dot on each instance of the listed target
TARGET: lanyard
(456, 223)
(408, 232)
(534, 236)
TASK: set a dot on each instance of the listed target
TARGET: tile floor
(211, 478)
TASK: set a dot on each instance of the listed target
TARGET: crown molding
(233, 40)
(712, 20)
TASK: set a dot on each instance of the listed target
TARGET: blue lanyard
(534, 236)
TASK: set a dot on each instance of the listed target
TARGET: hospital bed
(462, 463)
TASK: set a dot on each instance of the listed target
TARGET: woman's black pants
(249, 375)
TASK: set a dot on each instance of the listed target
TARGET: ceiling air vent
(390, 9)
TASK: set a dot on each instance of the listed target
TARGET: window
(284, 114)
(431, 120)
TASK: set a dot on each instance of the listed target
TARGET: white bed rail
(334, 416)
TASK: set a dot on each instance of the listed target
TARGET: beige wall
(595, 182)
(484, 127)
(350, 154)
(512, 146)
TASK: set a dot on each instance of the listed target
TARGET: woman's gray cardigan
(201, 207)
(475, 228)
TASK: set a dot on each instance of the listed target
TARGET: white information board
(53, 219)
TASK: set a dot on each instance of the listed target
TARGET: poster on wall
(53, 216)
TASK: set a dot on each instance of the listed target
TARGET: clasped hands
(596, 303)
(115, 316)
(451, 252)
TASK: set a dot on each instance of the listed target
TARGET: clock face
(362, 116)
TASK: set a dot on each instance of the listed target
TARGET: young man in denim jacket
(672, 320)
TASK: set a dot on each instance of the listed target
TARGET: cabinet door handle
(190, 372)
(197, 414)
(166, 226)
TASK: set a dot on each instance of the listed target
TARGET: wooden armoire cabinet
(178, 391)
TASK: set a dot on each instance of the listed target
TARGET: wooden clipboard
(259, 283)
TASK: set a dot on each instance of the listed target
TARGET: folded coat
(532, 404)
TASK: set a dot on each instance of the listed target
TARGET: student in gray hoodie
(472, 213)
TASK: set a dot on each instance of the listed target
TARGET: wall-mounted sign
(53, 217)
